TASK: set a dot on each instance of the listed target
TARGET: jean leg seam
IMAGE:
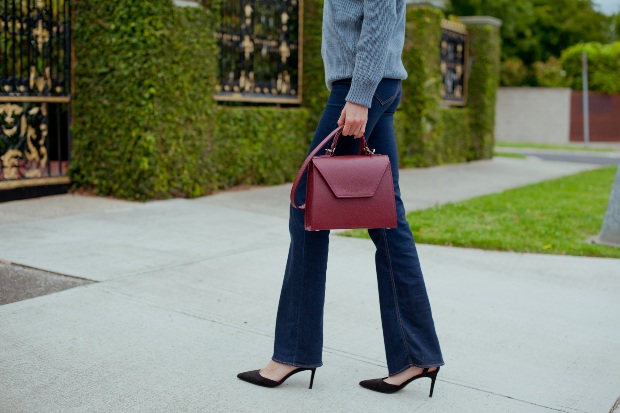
(400, 323)
(303, 261)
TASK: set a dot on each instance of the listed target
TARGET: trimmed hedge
(146, 125)
(456, 135)
(603, 66)
(257, 145)
(484, 53)
(418, 122)
(429, 134)
(143, 110)
(314, 92)
(549, 73)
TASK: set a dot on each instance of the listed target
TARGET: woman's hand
(354, 118)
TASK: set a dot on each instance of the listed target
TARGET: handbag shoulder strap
(335, 134)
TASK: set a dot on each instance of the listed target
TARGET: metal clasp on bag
(368, 151)
(329, 151)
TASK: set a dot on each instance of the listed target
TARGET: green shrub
(603, 66)
(418, 123)
(314, 92)
(143, 111)
(513, 73)
(146, 125)
(549, 73)
(484, 51)
(456, 135)
(543, 74)
(429, 134)
(258, 145)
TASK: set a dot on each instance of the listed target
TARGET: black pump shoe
(255, 378)
(383, 387)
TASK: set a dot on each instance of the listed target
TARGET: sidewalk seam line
(334, 351)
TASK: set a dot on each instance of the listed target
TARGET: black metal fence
(35, 92)
(260, 51)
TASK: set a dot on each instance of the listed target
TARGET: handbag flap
(352, 176)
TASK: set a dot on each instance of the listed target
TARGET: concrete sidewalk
(187, 292)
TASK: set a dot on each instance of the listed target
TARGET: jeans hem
(408, 366)
(297, 364)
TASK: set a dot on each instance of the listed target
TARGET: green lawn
(549, 146)
(552, 217)
(509, 155)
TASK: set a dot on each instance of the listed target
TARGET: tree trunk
(610, 233)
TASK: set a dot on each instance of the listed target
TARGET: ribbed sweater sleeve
(371, 51)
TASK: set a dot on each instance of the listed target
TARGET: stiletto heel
(433, 378)
(254, 377)
(383, 387)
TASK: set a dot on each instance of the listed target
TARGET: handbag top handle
(364, 149)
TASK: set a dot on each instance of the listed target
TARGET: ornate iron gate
(454, 63)
(260, 51)
(35, 92)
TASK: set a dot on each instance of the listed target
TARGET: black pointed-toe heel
(383, 387)
(254, 377)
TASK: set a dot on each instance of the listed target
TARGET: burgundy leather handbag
(347, 191)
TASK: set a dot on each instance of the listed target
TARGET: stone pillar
(484, 58)
(610, 233)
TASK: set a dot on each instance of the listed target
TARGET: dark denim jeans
(408, 328)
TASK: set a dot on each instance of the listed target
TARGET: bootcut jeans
(408, 329)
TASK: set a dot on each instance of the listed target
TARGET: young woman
(361, 49)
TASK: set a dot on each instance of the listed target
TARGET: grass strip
(550, 146)
(552, 217)
(510, 155)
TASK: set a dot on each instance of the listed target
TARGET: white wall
(533, 114)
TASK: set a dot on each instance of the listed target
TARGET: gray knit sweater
(363, 40)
